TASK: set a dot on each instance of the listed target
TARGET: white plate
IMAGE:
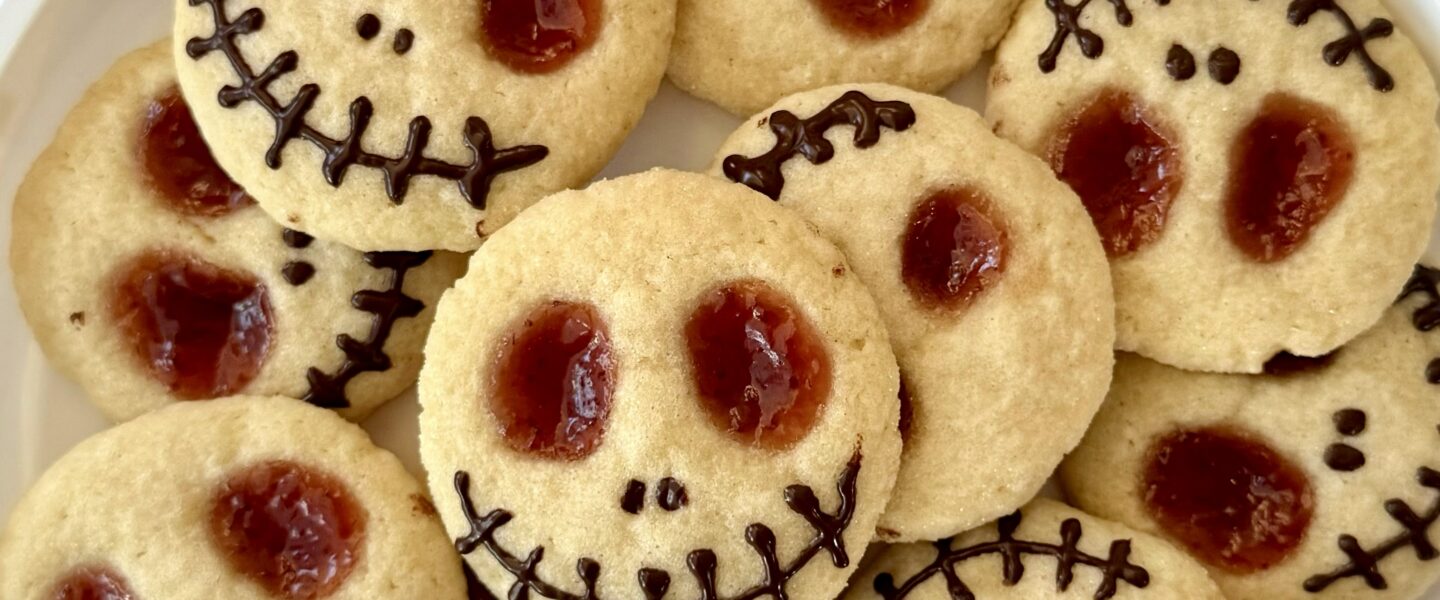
(50, 51)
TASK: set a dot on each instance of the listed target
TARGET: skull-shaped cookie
(745, 55)
(661, 386)
(240, 498)
(989, 274)
(416, 124)
(149, 277)
(1317, 479)
(1263, 171)
(1044, 550)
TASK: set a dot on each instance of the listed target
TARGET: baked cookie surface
(150, 278)
(439, 121)
(1315, 481)
(235, 498)
(744, 56)
(990, 277)
(674, 387)
(1061, 553)
(1264, 172)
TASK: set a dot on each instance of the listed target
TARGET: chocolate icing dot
(671, 494)
(367, 27)
(1224, 65)
(1180, 63)
(1350, 422)
(404, 41)
(296, 239)
(298, 272)
(1344, 457)
(634, 499)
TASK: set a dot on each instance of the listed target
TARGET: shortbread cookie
(149, 277)
(745, 55)
(1317, 480)
(1263, 172)
(987, 270)
(261, 498)
(673, 387)
(416, 124)
(1045, 550)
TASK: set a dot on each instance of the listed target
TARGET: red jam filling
(872, 18)
(761, 368)
(202, 331)
(179, 165)
(1125, 166)
(539, 36)
(1230, 499)
(554, 378)
(92, 583)
(1288, 170)
(295, 531)
(952, 251)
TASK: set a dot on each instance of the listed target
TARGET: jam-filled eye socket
(1289, 168)
(554, 376)
(761, 368)
(539, 36)
(178, 163)
(953, 249)
(872, 19)
(1228, 497)
(202, 331)
(92, 582)
(1124, 163)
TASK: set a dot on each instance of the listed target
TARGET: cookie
(1316, 480)
(241, 497)
(745, 55)
(442, 121)
(1044, 550)
(1263, 172)
(670, 387)
(150, 277)
(989, 275)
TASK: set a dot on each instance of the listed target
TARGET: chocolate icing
(404, 41)
(1224, 65)
(367, 26)
(1350, 422)
(634, 499)
(806, 137)
(1180, 63)
(1067, 23)
(1425, 281)
(473, 179)
(297, 272)
(327, 390)
(703, 564)
(1114, 568)
(296, 239)
(1353, 42)
(671, 495)
(1366, 563)
(1344, 457)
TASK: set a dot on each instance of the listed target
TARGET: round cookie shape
(444, 120)
(1061, 553)
(772, 487)
(242, 497)
(745, 56)
(1315, 480)
(988, 272)
(150, 278)
(1264, 173)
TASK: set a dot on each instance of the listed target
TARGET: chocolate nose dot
(671, 494)
(367, 27)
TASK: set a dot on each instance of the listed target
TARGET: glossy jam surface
(952, 251)
(202, 331)
(554, 378)
(92, 583)
(539, 36)
(294, 530)
(1233, 501)
(1288, 169)
(761, 368)
(179, 165)
(1124, 164)
(872, 18)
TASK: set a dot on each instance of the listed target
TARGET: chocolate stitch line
(806, 137)
(1353, 42)
(1366, 563)
(1425, 281)
(1067, 23)
(1114, 568)
(474, 179)
(654, 583)
(327, 390)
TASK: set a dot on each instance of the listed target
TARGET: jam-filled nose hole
(1228, 497)
(92, 582)
(201, 330)
(554, 377)
(953, 250)
(1124, 163)
(761, 369)
(872, 19)
(178, 163)
(295, 531)
(539, 36)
